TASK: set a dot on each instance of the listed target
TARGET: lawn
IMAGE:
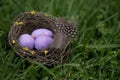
(95, 52)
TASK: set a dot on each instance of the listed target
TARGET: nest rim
(34, 57)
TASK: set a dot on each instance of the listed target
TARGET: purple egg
(43, 42)
(42, 32)
(26, 40)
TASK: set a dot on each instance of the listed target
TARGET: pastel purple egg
(41, 32)
(26, 40)
(43, 42)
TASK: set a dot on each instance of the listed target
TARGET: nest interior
(28, 22)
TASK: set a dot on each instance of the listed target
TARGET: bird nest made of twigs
(63, 32)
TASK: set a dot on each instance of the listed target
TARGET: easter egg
(43, 42)
(26, 40)
(41, 32)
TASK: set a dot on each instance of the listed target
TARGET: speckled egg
(26, 40)
(43, 42)
(42, 32)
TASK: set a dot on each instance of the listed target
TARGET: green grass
(95, 52)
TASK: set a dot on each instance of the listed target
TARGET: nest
(63, 31)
